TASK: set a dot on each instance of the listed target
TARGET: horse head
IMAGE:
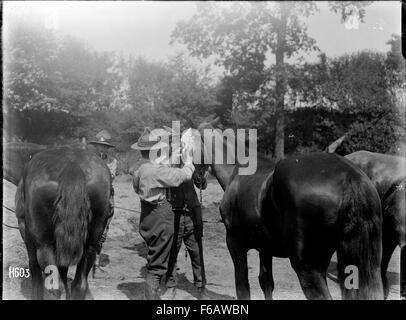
(191, 140)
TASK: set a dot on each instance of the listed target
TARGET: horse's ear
(209, 118)
(209, 122)
(215, 121)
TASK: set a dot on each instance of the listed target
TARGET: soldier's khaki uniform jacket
(151, 180)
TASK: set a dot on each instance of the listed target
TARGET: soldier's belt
(184, 209)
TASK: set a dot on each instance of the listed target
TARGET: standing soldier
(102, 149)
(150, 182)
(189, 228)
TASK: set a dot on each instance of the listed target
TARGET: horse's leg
(389, 243)
(63, 272)
(37, 286)
(20, 210)
(403, 272)
(80, 285)
(239, 256)
(401, 231)
(265, 274)
(393, 234)
(310, 256)
(314, 284)
(101, 211)
(47, 261)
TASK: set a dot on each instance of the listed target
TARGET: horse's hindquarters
(62, 227)
(39, 206)
(330, 205)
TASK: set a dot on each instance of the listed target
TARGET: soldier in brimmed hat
(102, 147)
(188, 229)
(151, 181)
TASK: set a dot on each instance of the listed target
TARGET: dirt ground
(123, 257)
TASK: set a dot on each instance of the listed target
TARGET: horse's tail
(360, 243)
(71, 216)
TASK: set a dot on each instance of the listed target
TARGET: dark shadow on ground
(140, 248)
(26, 290)
(186, 285)
(133, 290)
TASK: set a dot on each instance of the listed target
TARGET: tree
(241, 36)
(360, 99)
(51, 81)
(396, 64)
(395, 58)
(190, 94)
(358, 81)
(162, 92)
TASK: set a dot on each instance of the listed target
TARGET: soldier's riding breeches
(189, 229)
(157, 230)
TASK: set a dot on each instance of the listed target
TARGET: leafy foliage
(242, 36)
(356, 94)
(56, 89)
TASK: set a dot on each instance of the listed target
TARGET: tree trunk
(280, 86)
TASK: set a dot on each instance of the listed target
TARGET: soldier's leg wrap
(171, 277)
(193, 242)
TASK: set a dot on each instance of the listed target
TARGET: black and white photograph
(192, 150)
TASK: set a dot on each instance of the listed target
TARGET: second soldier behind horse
(102, 148)
(188, 228)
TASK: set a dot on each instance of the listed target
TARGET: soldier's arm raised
(173, 177)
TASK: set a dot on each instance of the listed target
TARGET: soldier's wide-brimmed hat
(148, 141)
(102, 138)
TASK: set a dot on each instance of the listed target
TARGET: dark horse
(388, 173)
(304, 208)
(62, 207)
